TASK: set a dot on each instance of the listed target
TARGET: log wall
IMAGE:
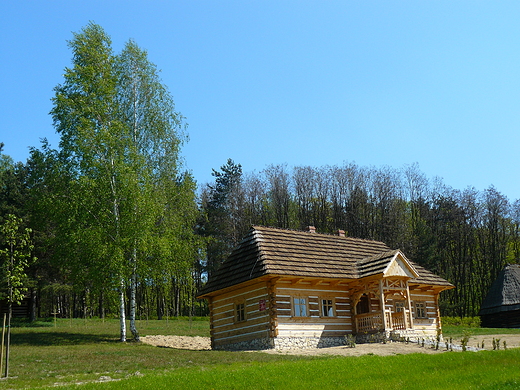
(314, 325)
(225, 329)
(427, 326)
(270, 321)
(503, 319)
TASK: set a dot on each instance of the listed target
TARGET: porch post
(409, 320)
(438, 312)
(383, 303)
(356, 297)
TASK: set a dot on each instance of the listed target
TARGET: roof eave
(206, 295)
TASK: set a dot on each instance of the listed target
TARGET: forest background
(119, 228)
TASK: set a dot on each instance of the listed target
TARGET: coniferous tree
(223, 212)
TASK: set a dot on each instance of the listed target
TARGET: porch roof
(382, 264)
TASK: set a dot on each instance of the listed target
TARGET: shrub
(350, 341)
(465, 339)
(467, 322)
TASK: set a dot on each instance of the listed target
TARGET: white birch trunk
(122, 314)
(115, 205)
(133, 260)
(133, 305)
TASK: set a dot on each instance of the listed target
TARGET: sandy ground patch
(390, 348)
(196, 343)
(203, 343)
(512, 341)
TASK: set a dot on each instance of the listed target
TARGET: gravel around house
(390, 348)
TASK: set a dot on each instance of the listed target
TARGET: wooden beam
(409, 320)
(382, 301)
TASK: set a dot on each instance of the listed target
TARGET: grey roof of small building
(504, 294)
(280, 252)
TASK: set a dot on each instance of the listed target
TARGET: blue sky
(298, 82)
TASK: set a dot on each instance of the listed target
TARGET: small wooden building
(501, 306)
(285, 289)
(23, 310)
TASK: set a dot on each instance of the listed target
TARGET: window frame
(304, 305)
(420, 307)
(240, 312)
(331, 307)
(399, 306)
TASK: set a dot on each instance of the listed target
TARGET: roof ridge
(258, 239)
(319, 234)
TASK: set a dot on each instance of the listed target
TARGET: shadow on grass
(60, 338)
(24, 323)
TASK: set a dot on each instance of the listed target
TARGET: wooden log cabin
(292, 289)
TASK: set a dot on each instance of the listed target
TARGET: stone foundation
(412, 335)
(398, 335)
(307, 342)
(284, 343)
(366, 338)
(255, 344)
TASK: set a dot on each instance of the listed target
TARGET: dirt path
(512, 341)
(391, 348)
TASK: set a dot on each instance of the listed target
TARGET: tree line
(118, 228)
(466, 236)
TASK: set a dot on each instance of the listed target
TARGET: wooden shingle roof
(504, 294)
(279, 252)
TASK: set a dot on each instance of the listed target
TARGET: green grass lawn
(85, 351)
(486, 370)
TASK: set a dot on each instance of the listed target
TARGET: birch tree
(155, 133)
(85, 116)
(120, 138)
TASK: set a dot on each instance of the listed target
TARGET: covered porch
(373, 322)
(382, 305)
(381, 296)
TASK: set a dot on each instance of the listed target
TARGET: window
(300, 307)
(327, 308)
(240, 312)
(420, 310)
(399, 306)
